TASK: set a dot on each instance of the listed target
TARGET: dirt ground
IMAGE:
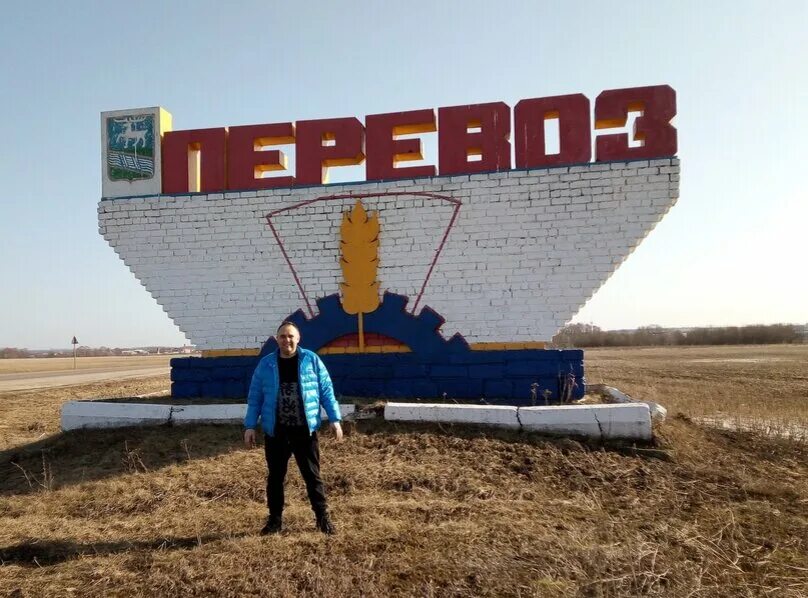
(61, 364)
(29, 374)
(424, 510)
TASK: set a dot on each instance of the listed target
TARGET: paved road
(33, 380)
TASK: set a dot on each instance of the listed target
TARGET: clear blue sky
(731, 252)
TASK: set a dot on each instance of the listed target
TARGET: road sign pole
(75, 342)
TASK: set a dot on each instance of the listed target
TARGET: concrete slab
(208, 414)
(88, 414)
(494, 415)
(98, 414)
(612, 395)
(630, 421)
(345, 410)
(627, 421)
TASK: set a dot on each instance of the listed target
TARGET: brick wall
(527, 248)
(497, 377)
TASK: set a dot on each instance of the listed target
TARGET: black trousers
(295, 441)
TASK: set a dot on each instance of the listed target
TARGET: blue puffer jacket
(315, 388)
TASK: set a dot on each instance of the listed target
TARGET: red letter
(246, 161)
(574, 128)
(384, 151)
(313, 158)
(179, 148)
(456, 143)
(653, 128)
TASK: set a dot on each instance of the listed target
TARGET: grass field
(425, 510)
(61, 364)
(763, 386)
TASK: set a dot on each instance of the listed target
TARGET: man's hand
(337, 431)
(249, 438)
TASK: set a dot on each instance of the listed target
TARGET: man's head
(288, 336)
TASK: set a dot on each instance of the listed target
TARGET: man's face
(288, 337)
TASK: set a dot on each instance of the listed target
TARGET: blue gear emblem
(420, 333)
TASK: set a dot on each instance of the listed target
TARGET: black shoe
(273, 526)
(324, 524)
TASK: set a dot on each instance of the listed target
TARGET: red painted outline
(437, 253)
(457, 203)
(289, 262)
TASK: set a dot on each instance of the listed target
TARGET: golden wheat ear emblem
(359, 246)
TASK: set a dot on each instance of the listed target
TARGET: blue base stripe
(496, 377)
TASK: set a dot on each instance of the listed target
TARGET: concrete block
(629, 421)
(456, 414)
(92, 414)
(208, 414)
(613, 395)
(345, 410)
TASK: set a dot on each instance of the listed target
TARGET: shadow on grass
(80, 456)
(42, 553)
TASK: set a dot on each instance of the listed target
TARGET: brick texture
(527, 250)
(498, 377)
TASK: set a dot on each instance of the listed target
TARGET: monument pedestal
(520, 377)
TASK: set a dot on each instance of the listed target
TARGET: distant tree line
(81, 351)
(589, 335)
(15, 353)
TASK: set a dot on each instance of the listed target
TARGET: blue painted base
(498, 377)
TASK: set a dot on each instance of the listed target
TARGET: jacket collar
(301, 352)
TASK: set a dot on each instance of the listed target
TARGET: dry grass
(31, 415)
(421, 510)
(61, 364)
(761, 388)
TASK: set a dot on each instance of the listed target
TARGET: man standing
(287, 390)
